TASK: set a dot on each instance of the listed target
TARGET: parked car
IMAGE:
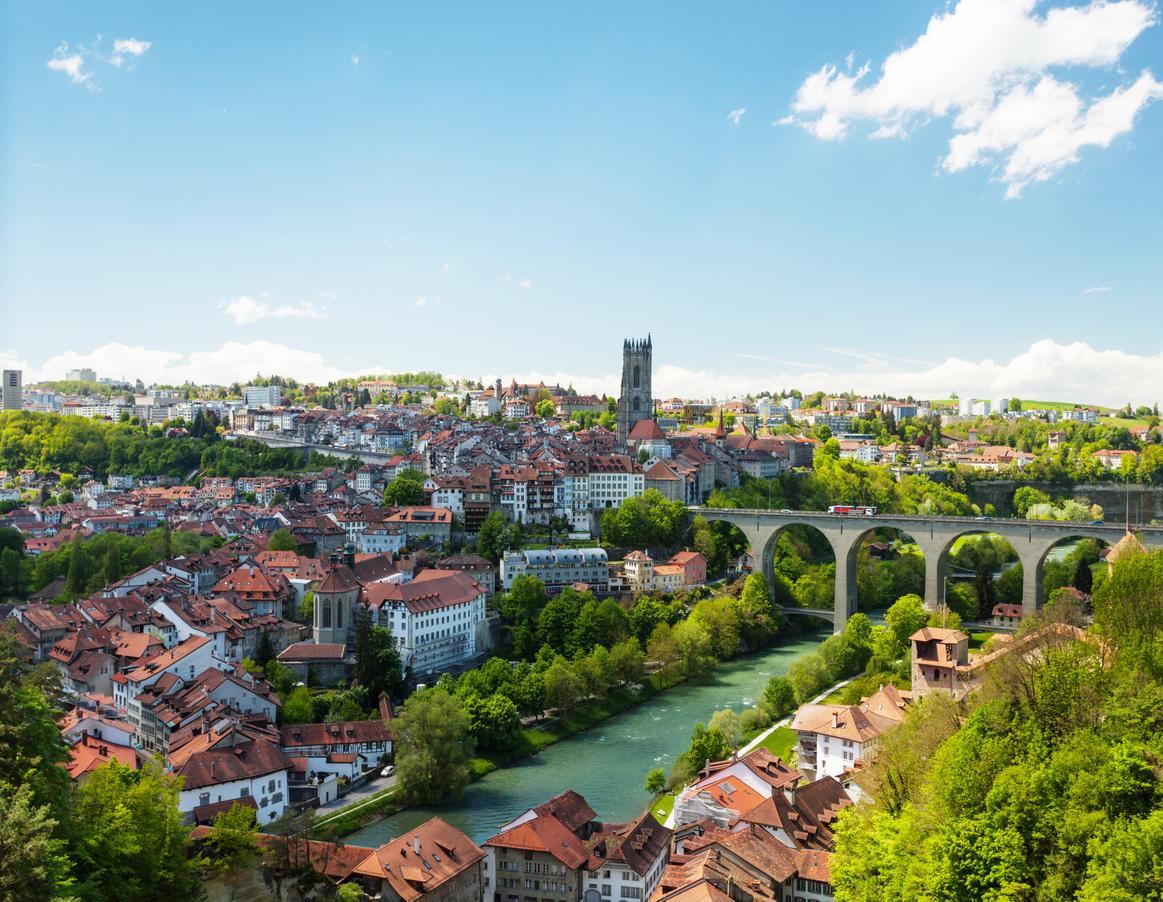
(388, 771)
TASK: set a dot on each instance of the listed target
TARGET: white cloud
(245, 310)
(233, 362)
(128, 47)
(446, 267)
(1097, 289)
(329, 295)
(986, 64)
(420, 301)
(525, 283)
(1047, 371)
(355, 59)
(736, 115)
(72, 64)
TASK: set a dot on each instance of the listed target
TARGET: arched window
(637, 375)
(326, 602)
(634, 404)
(339, 616)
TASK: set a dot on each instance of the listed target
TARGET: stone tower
(636, 401)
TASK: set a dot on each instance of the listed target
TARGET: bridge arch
(1083, 553)
(904, 581)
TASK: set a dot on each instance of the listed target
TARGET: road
(361, 794)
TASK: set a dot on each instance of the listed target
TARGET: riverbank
(608, 760)
(535, 738)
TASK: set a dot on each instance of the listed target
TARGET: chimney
(416, 843)
(789, 793)
(835, 720)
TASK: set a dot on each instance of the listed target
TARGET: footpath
(758, 740)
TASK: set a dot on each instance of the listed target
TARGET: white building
(263, 395)
(833, 739)
(484, 406)
(251, 773)
(558, 567)
(437, 619)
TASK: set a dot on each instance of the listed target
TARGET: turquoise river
(606, 764)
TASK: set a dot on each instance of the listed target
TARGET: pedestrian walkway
(758, 740)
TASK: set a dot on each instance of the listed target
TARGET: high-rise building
(263, 395)
(636, 402)
(84, 374)
(12, 389)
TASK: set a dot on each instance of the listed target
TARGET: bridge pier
(845, 602)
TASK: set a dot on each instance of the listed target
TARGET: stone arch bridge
(1031, 539)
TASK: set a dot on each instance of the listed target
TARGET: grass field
(780, 742)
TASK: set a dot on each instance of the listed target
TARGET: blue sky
(509, 189)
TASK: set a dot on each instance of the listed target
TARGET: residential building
(432, 861)
(558, 567)
(423, 525)
(437, 619)
(559, 851)
(832, 740)
(262, 395)
(12, 389)
(253, 773)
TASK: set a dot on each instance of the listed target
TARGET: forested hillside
(1044, 785)
(46, 441)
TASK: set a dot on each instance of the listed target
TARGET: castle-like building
(636, 402)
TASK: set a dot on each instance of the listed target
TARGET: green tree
(492, 537)
(377, 658)
(33, 862)
(627, 660)
(562, 687)
(545, 409)
(282, 540)
(128, 840)
(693, 645)
(726, 722)
(297, 707)
(757, 613)
(306, 609)
(662, 650)
(234, 838)
(655, 782)
(406, 489)
(494, 722)
(433, 746)
(78, 574)
(905, 617)
(779, 698)
(707, 744)
(264, 650)
(808, 675)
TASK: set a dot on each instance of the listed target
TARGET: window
(204, 798)
(244, 792)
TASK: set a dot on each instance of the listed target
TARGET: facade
(335, 599)
(831, 740)
(557, 568)
(559, 852)
(438, 619)
(252, 773)
(262, 395)
(636, 402)
(13, 398)
(940, 660)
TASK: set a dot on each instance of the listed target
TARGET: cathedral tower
(636, 401)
